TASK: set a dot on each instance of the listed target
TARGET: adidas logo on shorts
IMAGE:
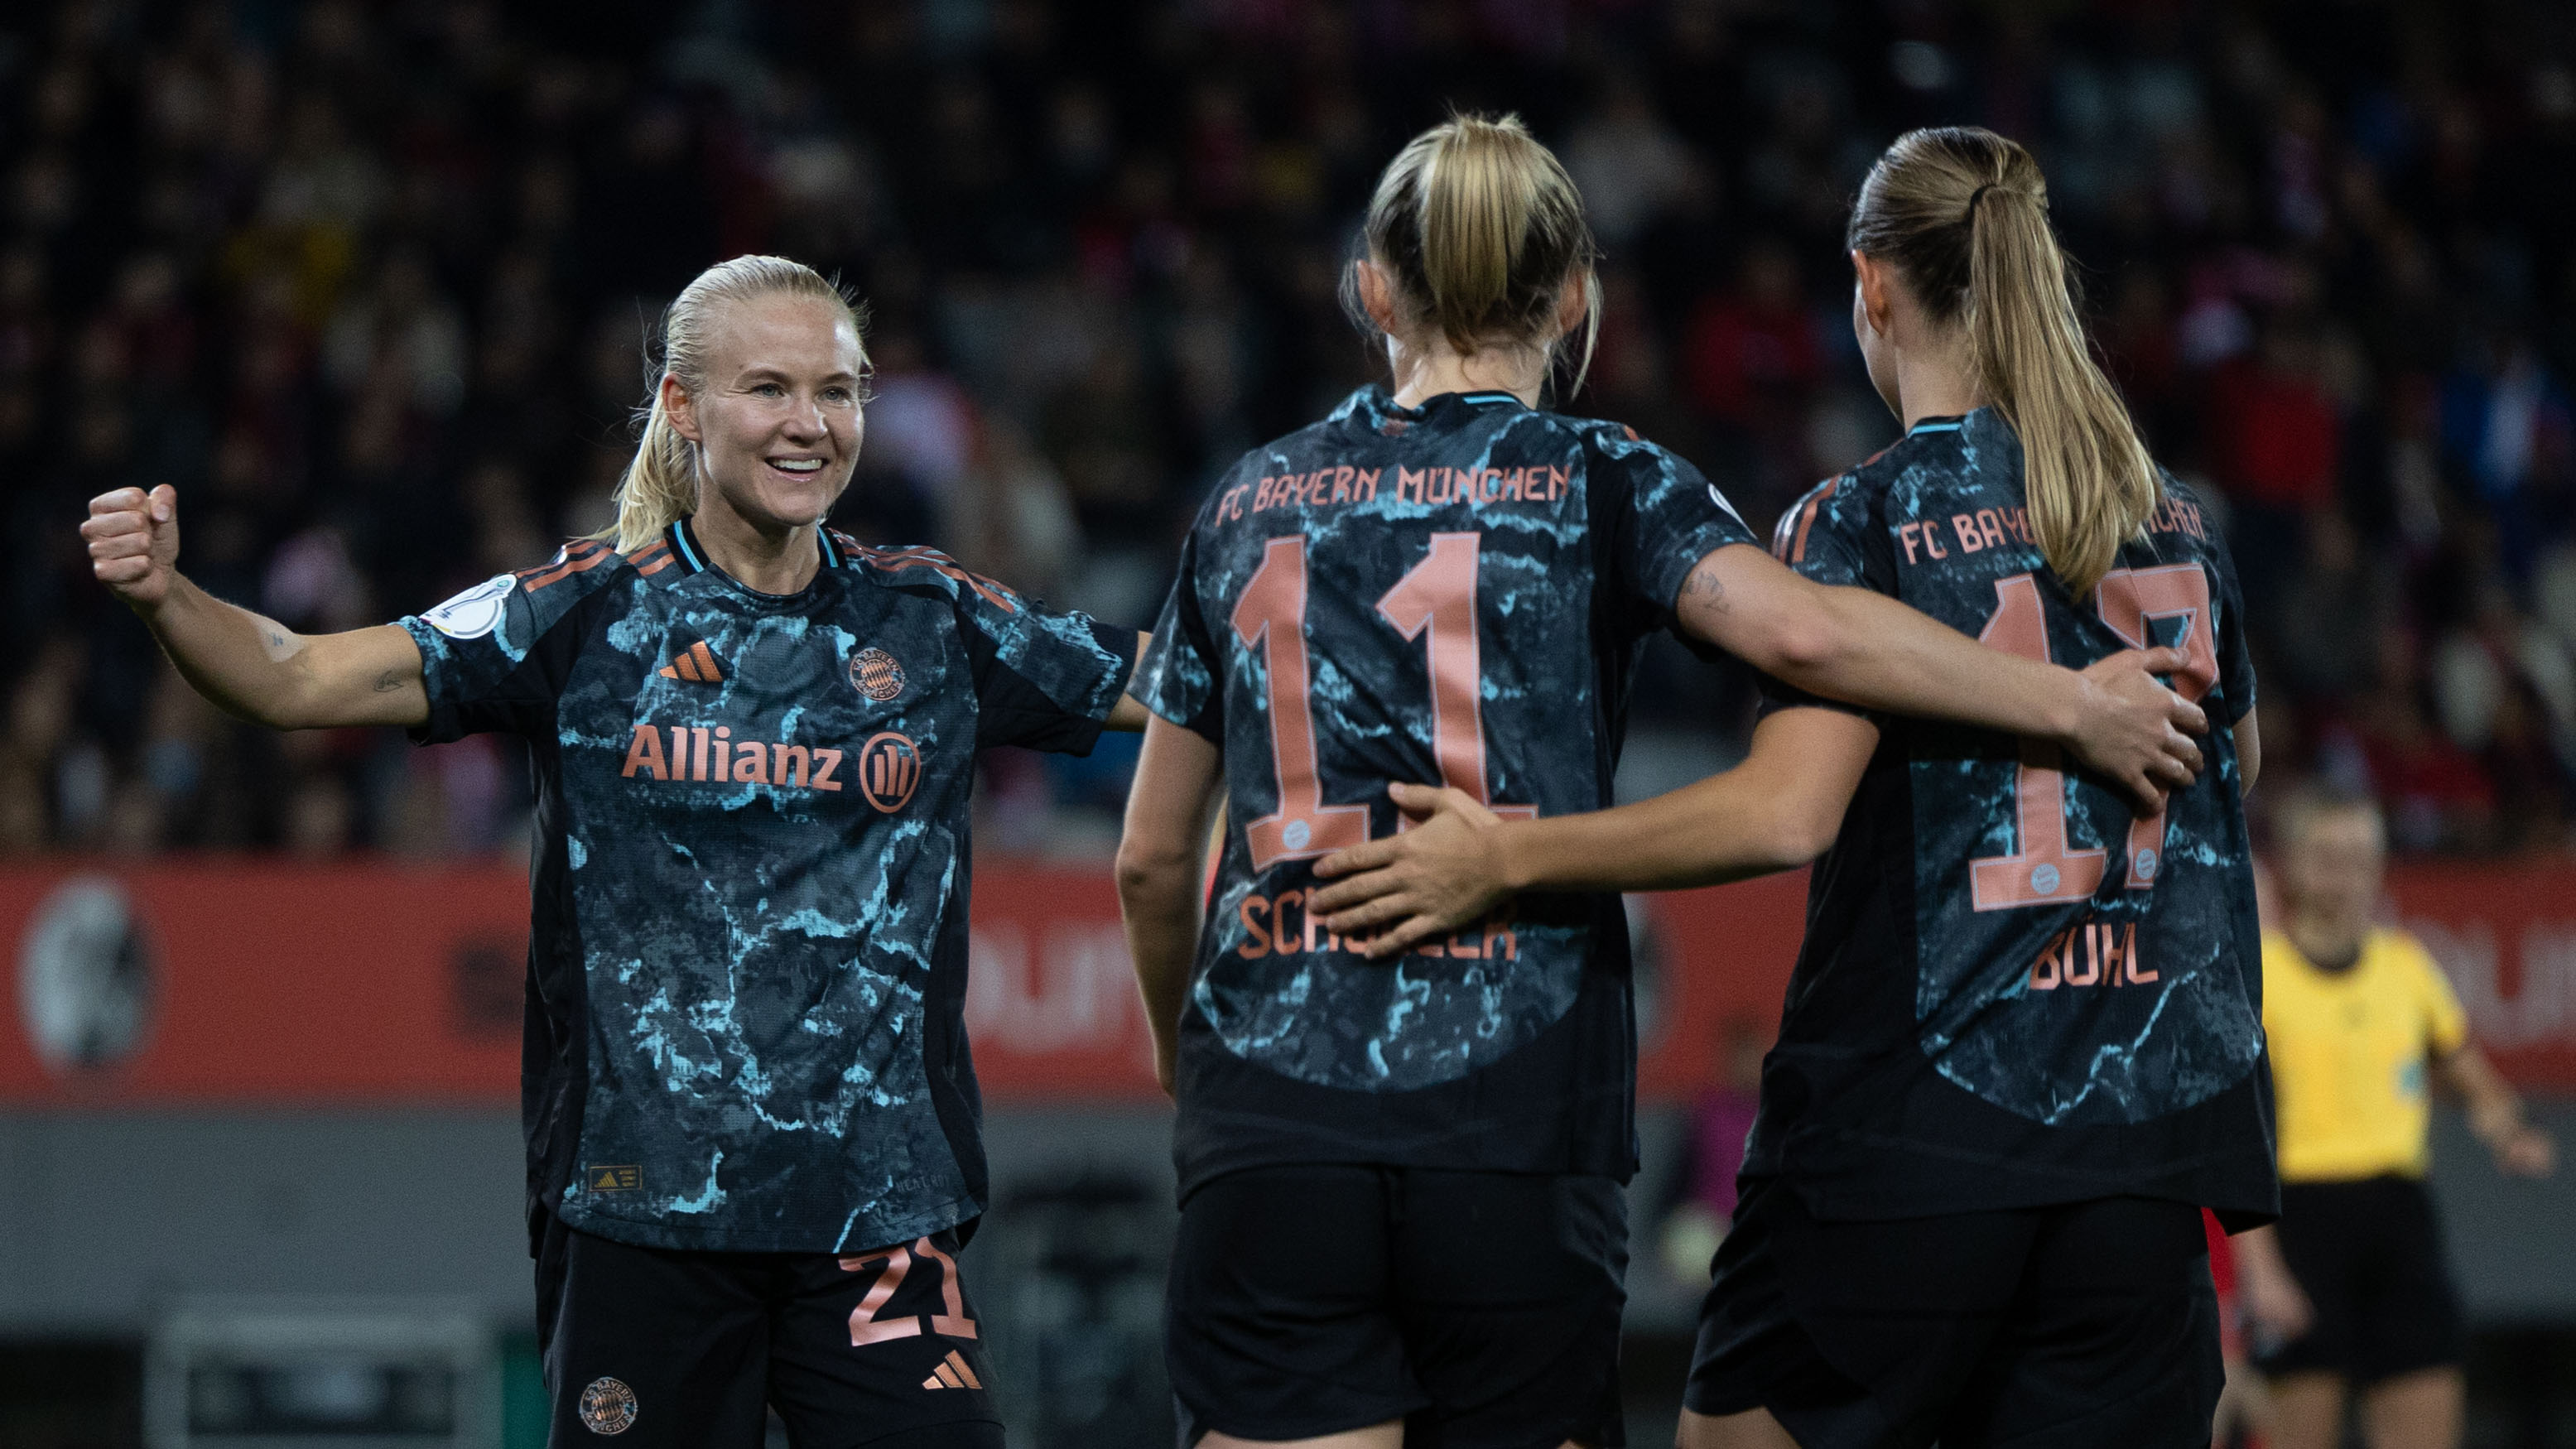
(952, 1373)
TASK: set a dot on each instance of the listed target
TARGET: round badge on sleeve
(474, 613)
(874, 673)
(607, 1407)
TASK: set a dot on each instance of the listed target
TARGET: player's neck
(1426, 370)
(1934, 387)
(2328, 942)
(767, 560)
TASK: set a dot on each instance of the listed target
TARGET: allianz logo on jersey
(886, 772)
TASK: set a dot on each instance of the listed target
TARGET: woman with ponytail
(754, 1145)
(2021, 1048)
(1400, 1180)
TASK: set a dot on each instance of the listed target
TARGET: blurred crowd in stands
(368, 280)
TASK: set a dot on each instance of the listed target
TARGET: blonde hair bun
(1481, 229)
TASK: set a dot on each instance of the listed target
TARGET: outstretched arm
(1169, 809)
(2495, 1113)
(1778, 809)
(1867, 649)
(250, 667)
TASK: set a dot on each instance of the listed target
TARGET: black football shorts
(2069, 1327)
(2369, 1253)
(1482, 1308)
(649, 1348)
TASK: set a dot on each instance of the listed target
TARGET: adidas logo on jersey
(953, 1373)
(696, 664)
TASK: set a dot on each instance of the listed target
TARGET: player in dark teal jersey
(753, 1129)
(2022, 1046)
(1401, 1182)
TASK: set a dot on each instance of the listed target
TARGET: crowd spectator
(367, 281)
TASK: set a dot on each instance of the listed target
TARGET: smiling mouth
(805, 466)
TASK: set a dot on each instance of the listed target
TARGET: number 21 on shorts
(2043, 868)
(1437, 599)
(867, 1325)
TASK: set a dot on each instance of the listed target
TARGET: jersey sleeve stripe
(1807, 520)
(591, 558)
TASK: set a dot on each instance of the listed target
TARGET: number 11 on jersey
(1438, 598)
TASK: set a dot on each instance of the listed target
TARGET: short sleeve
(1177, 677)
(1665, 517)
(1829, 536)
(495, 657)
(2235, 659)
(2446, 1025)
(1044, 679)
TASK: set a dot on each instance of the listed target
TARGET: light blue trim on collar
(688, 548)
(1948, 427)
(689, 555)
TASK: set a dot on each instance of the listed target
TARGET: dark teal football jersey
(747, 971)
(1455, 593)
(2013, 992)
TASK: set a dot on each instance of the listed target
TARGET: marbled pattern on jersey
(752, 877)
(1576, 539)
(2118, 1004)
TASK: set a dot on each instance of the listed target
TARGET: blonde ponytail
(1482, 230)
(1963, 215)
(661, 483)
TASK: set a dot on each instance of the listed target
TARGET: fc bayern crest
(874, 673)
(607, 1407)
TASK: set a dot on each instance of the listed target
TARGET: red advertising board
(226, 982)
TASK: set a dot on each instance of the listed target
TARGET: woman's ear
(1877, 300)
(1573, 301)
(1376, 297)
(677, 407)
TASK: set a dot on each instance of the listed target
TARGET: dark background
(369, 284)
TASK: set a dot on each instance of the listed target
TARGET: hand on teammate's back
(2134, 726)
(1433, 878)
(134, 542)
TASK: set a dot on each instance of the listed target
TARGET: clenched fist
(134, 543)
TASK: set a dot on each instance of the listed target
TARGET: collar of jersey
(692, 556)
(1939, 425)
(1483, 398)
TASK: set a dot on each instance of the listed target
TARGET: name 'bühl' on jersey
(2012, 992)
(1455, 593)
(747, 966)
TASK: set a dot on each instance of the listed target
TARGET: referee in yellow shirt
(2352, 1285)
